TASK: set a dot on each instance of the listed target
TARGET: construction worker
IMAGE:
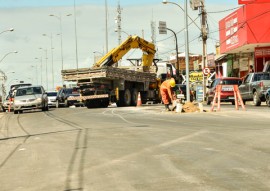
(166, 92)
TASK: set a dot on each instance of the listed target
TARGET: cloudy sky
(30, 20)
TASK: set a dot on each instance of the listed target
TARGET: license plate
(230, 97)
(227, 88)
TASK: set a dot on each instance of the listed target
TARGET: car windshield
(28, 91)
(52, 93)
(230, 82)
(72, 91)
(262, 76)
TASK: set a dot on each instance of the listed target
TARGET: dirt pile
(190, 107)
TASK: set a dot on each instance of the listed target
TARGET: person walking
(166, 92)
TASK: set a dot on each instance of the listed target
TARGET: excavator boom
(132, 42)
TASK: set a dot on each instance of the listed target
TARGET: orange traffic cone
(139, 101)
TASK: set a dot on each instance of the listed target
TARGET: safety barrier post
(217, 96)
(238, 98)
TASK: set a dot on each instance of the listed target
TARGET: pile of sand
(190, 107)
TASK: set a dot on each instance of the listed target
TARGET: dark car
(68, 97)
(227, 92)
(267, 97)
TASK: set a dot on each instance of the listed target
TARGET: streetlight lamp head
(15, 51)
(68, 15)
(11, 29)
(164, 1)
(51, 15)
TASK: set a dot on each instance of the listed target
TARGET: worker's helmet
(172, 82)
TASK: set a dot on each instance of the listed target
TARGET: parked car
(254, 87)
(6, 104)
(30, 98)
(52, 98)
(227, 93)
(68, 97)
(267, 97)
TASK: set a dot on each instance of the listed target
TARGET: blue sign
(199, 93)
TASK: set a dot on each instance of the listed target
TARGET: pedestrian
(251, 70)
(166, 92)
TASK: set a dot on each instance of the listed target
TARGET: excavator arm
(132, 42)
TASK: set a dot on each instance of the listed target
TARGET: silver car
(29, 98)
(52, 98)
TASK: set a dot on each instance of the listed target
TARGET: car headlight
(38, 99)
(17, 101)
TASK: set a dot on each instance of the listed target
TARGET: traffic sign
(206, 71)
(162, 27)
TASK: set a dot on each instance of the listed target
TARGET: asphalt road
(135, 148)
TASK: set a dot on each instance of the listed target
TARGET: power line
(213, 12)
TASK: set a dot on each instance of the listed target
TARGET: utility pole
(204, 39)
(119, 28)
(118, 22)
(106, 25)
(195, 4)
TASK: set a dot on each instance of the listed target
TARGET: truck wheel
(134, 97)
(15, 112)
(104, 103)
(57, 104)
(124, 98)
(268, 100)
(66, 103)
(256, 99)
(127, 97)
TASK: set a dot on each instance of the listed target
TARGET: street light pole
(61, 38)
(187, 51)
(52, 58)
(8, 30)
(8, 54)
(75, 26)
(46, 58)
(177, 62)
(106, 25)
(40, 69)
(186, 44)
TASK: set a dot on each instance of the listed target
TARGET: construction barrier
(237, 97)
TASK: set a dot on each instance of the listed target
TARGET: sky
(30, 20)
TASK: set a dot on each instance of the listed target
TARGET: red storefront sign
(252, 1)
(261, 52)
(247, 25)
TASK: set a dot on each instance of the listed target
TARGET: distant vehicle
(6, 103)
(29, 98)
(52, 98)
(227, 93)
(14, 87)
(67, 97)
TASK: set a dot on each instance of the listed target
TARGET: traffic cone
(139, 101)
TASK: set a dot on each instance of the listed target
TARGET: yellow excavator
(132, 42)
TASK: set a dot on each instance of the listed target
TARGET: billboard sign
(240, 2)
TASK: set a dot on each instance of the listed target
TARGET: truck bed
(107, 73)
